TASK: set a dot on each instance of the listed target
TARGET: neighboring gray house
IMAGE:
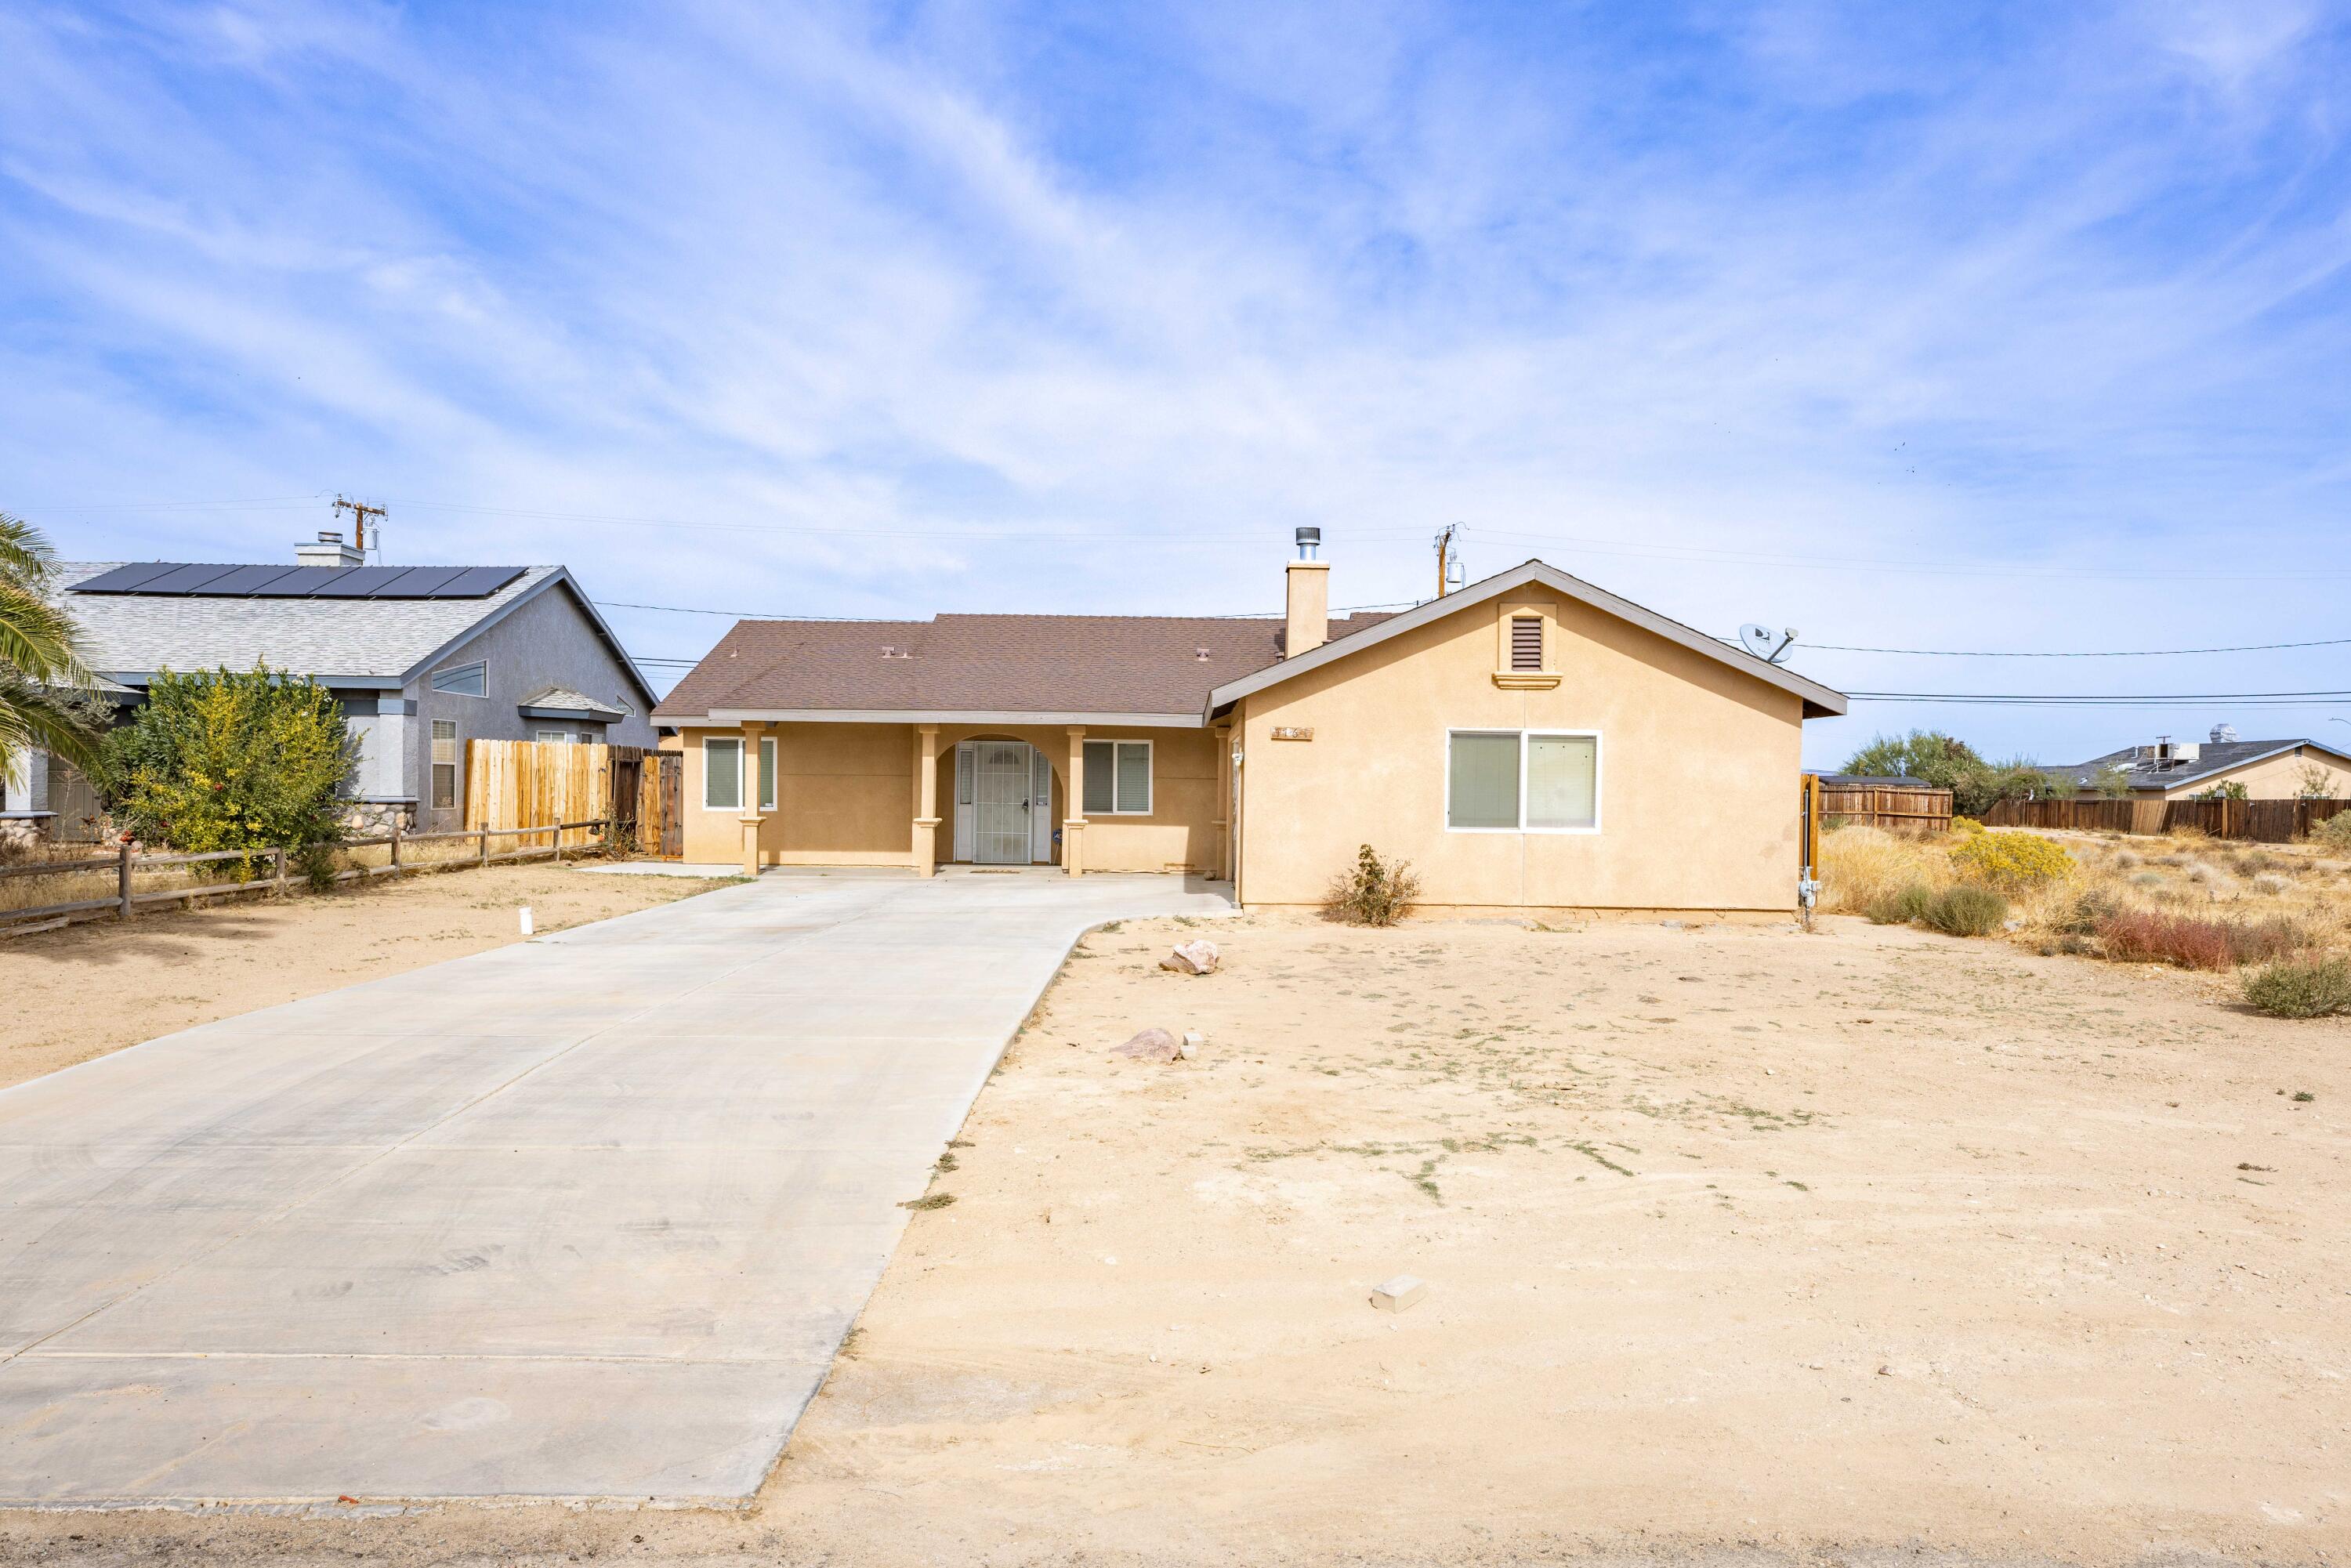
(424, 658)
(2176, 771)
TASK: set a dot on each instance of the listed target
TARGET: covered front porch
(974, 791)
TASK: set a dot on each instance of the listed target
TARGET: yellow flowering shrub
(2011, 861)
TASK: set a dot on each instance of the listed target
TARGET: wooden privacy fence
(1904, 809)
(510, 783)
(2268, 821)
(126, 863)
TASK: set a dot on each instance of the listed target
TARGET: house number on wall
(1294, 732)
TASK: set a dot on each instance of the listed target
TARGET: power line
(2119, 653)
(2020, 700)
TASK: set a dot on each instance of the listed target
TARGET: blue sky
(2010, 326)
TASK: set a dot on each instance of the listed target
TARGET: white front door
(1000, 790)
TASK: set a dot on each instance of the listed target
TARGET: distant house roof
(1876, 782)
(562, 702)
(134, 631)
(1010, 667)
(2212, 757)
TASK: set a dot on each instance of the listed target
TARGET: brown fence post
(485, 843)
(395, 838)
(122, 880)
(278, 874)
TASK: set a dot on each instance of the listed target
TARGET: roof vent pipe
(1310, 544)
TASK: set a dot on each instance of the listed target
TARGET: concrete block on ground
(1398, 1294)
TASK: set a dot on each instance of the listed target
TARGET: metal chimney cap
(1309, 543)
(329, 538)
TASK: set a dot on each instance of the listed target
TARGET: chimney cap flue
(1309, 543)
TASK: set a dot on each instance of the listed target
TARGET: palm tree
(45, 687)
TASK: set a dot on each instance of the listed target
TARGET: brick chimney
(1310, 597)
(330, 551)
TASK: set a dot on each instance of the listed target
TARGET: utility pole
(361, 512)
(1444, 555)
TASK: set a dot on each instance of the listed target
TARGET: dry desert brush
(1375, 892)
(2303, 988)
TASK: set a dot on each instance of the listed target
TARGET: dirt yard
(1740, 1245)
(67, 995)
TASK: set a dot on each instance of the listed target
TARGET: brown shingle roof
(993, 664)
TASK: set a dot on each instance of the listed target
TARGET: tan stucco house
(2167, 769)
(1528, 742)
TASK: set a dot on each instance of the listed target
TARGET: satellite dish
(1764, 643)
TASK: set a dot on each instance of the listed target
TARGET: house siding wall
(548, 641)
(1698, 785)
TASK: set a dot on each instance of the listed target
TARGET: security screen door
(1000, 799)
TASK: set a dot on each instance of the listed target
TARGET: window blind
(1484, 781)
(722, 774)
(1134, 777)
(1102, 777)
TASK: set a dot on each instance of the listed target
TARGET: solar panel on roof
(123, 579)
(247, 579)
(420, 582)
(301, 582)
(229, 581)
(359, 582)
(479, 581)
(185, 580)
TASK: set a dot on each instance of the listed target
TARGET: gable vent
(1526, 643)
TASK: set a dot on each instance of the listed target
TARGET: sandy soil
(1740, 1245)
(67, 995)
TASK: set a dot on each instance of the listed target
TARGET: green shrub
(2334, 833)
(1964, 909)
(219, 760)
(2301, 988)
(2085, 913)
(1375, 892)
(2011, 862)
(1901, 906)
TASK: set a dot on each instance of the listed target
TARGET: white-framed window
(463, 680)
(555, 737)
(722, 773)
(1118, 778)
(1521, 781)
(444, 764)
(767, 773)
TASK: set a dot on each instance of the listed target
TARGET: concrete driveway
(584, 1218)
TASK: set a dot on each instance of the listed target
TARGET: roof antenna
(1765, 643)
(361, 512)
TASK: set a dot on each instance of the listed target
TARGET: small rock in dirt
(1397, 1294)
(1193, 1040)
(1194, 958)
(1151, 1045)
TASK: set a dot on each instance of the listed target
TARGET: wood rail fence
(1902, 809)
(126, 863)
(2267, 821)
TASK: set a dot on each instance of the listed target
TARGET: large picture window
(463, 680)
(722, 774)
(1118, 778)
(1523, 781)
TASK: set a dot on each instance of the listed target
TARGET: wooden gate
(669, 794)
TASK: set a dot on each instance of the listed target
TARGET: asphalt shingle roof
(137, 634)
(2216, 757)
(1006, 663)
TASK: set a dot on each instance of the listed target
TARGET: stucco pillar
(753, 730)
(926, 790)
(1073, 825)
(1224, 817)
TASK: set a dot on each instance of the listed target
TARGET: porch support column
(753, 729)
(1223, 735)
(926, 791)
(1073, 826)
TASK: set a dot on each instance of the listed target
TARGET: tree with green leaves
(223, 760)
(48, 698)
(1946, 762)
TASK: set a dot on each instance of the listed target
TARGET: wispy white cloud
(1987, 286)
